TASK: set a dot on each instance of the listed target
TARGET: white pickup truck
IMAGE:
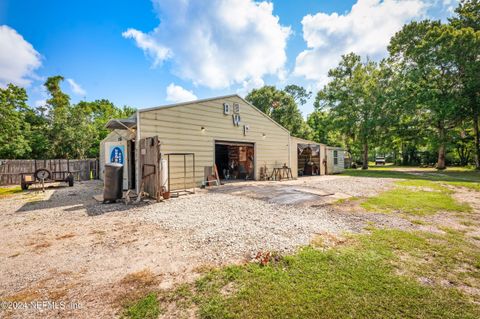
(379, 161)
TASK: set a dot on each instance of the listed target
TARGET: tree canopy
(57, 130)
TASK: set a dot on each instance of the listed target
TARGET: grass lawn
(145, 308)
(376, 275)
(6, 191)
(416, 197)
(381, 273)
(460, 175)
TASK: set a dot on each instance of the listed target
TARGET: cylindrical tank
(113, 182)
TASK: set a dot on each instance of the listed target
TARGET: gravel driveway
(63, 245)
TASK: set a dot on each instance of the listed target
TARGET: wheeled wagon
(51, 173)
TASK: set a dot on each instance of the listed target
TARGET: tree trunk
(477, 139)
(365, 155)
(441, 149)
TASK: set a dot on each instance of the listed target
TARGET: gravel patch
(226, 226)
(351, 186)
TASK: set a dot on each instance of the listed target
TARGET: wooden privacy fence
(82, 170)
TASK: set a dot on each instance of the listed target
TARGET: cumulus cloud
(76, 88)
(365, 30)
(249, 85)
(216, 43)
(149, 45)
(18, 58)
(177, 94)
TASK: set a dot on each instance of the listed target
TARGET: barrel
(113, 182)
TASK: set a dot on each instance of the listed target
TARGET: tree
(465, 47)
(281, 107)
(353, 99)
(431, 77)
(299, 93)
(58, 107)
(13, 107)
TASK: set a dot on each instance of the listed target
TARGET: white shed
(335, 160)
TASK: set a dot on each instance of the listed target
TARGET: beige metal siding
(179, 130)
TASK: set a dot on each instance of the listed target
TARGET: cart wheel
(70, 180)
(42, 174)
(24, 186)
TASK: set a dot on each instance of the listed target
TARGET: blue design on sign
(116, 154)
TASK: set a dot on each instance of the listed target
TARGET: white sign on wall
(235, 111)
(246, 128)
(117, 152)
(236, 119)
(226, 108)
(236, 108)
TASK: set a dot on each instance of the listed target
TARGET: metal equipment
(43, 175)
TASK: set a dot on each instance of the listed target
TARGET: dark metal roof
(121, 124)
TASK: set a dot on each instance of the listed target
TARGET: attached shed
(335, 160)
(308, 157)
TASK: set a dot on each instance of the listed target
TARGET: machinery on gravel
(43, 175)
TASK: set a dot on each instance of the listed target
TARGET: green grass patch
(456, 176)
(469, 185)
(416, 197)
(145, 308)
(357, 280)
(6, 191)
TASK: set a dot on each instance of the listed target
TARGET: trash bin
(113, 182)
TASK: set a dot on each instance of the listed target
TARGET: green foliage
(13, 124)
(299, 94)
(354, 100)
(145, 308)
(424, 99)
(282, 108)
(57, 130)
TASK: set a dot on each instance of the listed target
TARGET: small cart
(43, 175)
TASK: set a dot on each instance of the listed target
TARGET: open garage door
(235, 160)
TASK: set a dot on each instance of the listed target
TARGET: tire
(70, 180)
(42, 172)
(24, 186)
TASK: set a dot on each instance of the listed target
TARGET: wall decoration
(226, 108)
(117, 154)
(236, 108)
(236, 119)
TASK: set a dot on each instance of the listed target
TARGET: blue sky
(147, 53)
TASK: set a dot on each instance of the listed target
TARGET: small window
(335, 157)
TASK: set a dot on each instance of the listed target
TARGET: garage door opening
(235, 161)
(309, 162)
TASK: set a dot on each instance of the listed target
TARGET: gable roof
(213, 99)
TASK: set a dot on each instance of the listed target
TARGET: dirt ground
(63, 246)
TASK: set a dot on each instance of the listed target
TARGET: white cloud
(18, 58)
(149, 45)
(39, 103)
(76, 88)
(249, 85)
(365, 30)
(177, 94)
(216, 43)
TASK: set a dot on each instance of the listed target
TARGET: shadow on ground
(72, 199)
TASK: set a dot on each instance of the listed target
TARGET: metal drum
(113, 182)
